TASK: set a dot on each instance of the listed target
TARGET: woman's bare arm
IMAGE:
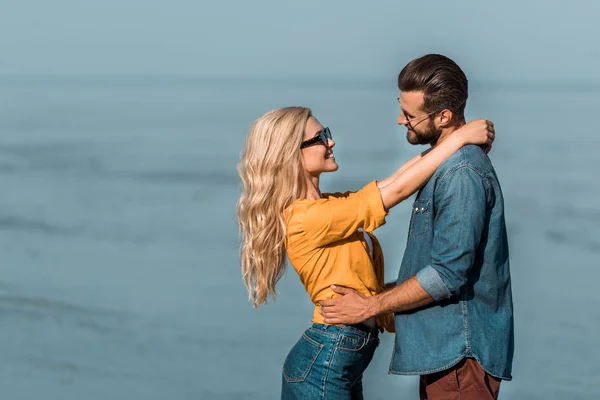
(418, 173)
(404, 167)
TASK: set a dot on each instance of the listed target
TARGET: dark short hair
(444, 84)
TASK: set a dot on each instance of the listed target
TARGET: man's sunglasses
(323, 137)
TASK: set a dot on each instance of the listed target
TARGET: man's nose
(402, 119)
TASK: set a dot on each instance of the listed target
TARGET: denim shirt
(458, 249)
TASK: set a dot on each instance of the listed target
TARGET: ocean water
(119, 271)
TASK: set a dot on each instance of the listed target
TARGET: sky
(522, 40)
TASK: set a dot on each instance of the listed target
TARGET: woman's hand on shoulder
(478, 131)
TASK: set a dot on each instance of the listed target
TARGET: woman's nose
(330, 143)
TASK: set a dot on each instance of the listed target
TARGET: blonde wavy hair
(273, 178)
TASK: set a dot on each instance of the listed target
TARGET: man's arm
(354, 307)
(459, 222)
(405, 296)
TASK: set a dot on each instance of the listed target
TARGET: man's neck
(446, 132)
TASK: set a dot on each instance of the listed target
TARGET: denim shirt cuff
(433, 284)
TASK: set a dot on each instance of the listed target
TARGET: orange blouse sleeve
(339, 215)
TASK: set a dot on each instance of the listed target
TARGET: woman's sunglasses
(323, 137)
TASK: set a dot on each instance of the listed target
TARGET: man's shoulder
(470, 156)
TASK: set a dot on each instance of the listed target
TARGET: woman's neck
(313, 192)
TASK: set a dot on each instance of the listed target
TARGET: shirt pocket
(419, 221)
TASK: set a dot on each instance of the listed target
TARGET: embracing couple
(451, 306)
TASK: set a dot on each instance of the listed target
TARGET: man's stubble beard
(430, 136)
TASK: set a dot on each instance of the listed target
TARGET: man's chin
(412, 138)
(415, 139)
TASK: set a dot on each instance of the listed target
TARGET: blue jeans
(328, 363)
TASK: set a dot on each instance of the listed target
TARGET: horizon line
(375, 80)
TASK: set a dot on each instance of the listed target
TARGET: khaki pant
(465, 381)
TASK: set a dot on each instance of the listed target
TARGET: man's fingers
(331, 321)
(328, 303)
(329, 314)
(328, 307)
(341, 289)
(329, 310)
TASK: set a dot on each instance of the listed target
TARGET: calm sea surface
(119, 272)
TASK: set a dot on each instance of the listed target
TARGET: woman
(327, 238)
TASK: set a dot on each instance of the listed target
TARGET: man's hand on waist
(351, 308)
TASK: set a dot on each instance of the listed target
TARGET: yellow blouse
(325, 247)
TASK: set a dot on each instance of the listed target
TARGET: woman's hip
(329, 359)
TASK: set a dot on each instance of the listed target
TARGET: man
(453, 300)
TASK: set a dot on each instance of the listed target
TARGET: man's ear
(445, 118)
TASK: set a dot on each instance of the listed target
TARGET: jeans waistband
(360, 329)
